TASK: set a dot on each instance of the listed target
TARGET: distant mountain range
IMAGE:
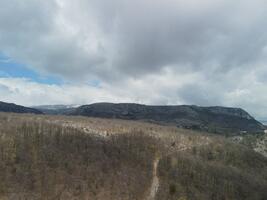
(56, 109)
(221, 120)
(10, 107)
(211, 119)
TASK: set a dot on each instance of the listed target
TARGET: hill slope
(10, 107)
(212, 119)
(66, 157)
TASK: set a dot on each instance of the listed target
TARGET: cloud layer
(210, 52)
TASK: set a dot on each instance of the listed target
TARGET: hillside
(69, 157)
(221, 120)
(10, 107)
(257, 142)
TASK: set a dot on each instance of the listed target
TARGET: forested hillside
(56, 157)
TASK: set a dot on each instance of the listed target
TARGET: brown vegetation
(55, 157)
(216, 171)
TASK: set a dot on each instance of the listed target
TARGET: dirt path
(155, 181)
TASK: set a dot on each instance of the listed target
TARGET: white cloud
(169, 87)
(26, 92)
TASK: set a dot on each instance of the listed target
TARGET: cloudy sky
(208, 52)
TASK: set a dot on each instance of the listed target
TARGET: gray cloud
(133, 38)
(176, 51)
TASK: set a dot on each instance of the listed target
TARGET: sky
(167, 52)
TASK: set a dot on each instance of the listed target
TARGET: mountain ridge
(212, 119)
(11, 107)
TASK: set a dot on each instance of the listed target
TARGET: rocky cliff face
(212, 119)
(10, 107)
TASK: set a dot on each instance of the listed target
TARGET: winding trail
(155, 181)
